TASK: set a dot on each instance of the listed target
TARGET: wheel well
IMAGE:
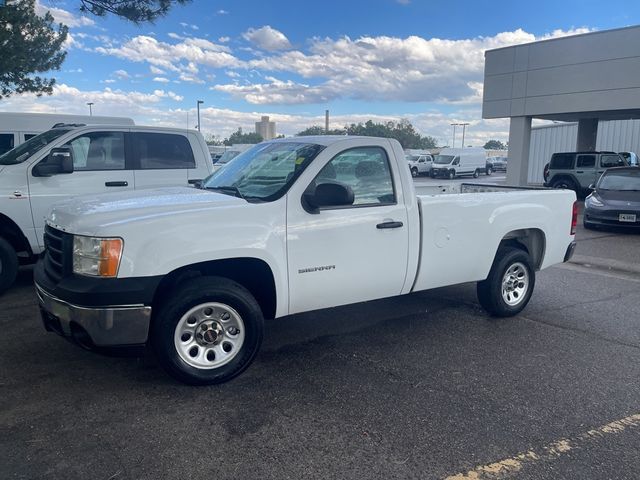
(253, 274)
(531, 240)
(11, 232)
(565, 176)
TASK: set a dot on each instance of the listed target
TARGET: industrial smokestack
(326, 122)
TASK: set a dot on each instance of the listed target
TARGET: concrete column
(519, 140)
(587, 135)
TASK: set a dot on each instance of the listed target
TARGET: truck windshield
(31, 146)
(443, 159)
(264, 172)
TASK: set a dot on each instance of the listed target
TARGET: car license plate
(627, 217)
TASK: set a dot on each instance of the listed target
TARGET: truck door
(342, 255)
(99, 167)
(162, 159)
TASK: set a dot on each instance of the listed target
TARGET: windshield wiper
(235, 191)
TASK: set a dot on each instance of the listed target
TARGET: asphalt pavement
(425, 386)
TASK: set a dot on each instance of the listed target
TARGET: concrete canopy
(584, 78)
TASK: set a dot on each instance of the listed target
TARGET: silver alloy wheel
(209, 335)
(515, 284)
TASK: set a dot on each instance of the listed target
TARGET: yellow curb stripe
(550, 451)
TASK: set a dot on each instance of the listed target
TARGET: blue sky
(380, 59)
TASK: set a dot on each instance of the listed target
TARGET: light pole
(453, 143)
(90, 111)
(464, 125)
(198, 104)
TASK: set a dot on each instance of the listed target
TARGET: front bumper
(95, 327)
(610, 216)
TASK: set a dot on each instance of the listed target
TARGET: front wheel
(476, 174)
(208, 331)
(489, 171)
(8, 265)
(414, 172)
(452, 174)
(510, 283)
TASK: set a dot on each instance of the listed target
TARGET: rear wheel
(208, 332)
(8, 265)
(510, 283)
(414, 172)
(452, 174)
(489, 171)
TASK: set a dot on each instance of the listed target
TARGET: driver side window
(366, 170)
(456, 161)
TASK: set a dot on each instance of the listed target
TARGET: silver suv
(578, 170)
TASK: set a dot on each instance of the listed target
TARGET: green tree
(403, 131)
(239, 137)
(213, 139)
(30, 44)
(495, 145)
(136, 11)
(318, 130)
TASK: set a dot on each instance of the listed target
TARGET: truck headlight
(593, 201)
(99, 257)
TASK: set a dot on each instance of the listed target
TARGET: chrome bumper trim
(107, 326)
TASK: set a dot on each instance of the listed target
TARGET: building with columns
(584, 78)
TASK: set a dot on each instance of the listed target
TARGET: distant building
(265, 128)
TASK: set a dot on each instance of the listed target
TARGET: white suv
(85, 159)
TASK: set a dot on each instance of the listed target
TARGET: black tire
(489, 171)
(565, 183)
(476, 173)
(432, 175)
(192, 293)
(8, 265)
(414, 172)
(452, 174)
(489, 291)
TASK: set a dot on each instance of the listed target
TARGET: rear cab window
(158, 151)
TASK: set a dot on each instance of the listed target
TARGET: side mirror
(328, 195)
(59, 160)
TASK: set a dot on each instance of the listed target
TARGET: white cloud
(267, 38)
(161, 79)
(168, 56)
(175, 36)
(121, 74)
(411, 69)
(64, 16)
(222, 12)
(151, 109)
(224, 39)
(156, 70)
(185, 77)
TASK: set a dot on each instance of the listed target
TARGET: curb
(606, 263)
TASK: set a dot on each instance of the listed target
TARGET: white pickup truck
(288, 226)
(85, 159)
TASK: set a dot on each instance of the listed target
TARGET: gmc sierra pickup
(289, 226)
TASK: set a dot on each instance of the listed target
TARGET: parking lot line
(550, 451)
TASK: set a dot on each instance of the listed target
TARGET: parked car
(615, 199)
(71, 160)
(631, 158)
(452, 162)
(18, 127)
(420, 164)
(280, 230)
(499, 164)
(577, 170)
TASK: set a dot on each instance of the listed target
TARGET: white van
(86, 160)
(17, 128)
(451, 162)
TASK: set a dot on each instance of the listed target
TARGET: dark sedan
(615, 200)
